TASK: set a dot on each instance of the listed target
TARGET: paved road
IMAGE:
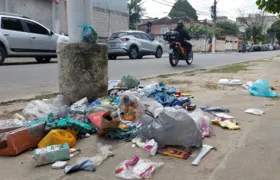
(20, 80)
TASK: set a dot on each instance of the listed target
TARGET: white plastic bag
(137, 168)
(202, 122)
(150, 146)
(104, 151)
(257, 112)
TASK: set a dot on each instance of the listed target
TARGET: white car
(23, 37)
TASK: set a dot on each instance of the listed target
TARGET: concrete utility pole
(83, 66)
(214, 16)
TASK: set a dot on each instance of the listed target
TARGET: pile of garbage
(158, 119)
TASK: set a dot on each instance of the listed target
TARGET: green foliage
(275, 28)
(183, 8)
(135, 10)
(229, 28)
(271, 6)
(256, 34)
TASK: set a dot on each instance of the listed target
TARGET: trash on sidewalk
(204, 151)
(150, 146)
(59, 164)
(137, 168)
(202, 122)
(257, 112)
(247, 85)
(128, 108)
(104, 121)
(9, 125)
(229, 124)
(51, 154)
(173, 152)
(86, 165)
(104, 151)
(230, 82)
(172, 127)
(89, 34)
(19, 140)
(129, 82)
(125, 135)
(59, 136)
(214, 109)
(223, 115)
(261, 88)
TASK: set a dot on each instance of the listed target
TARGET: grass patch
(176, 81)
(46, 96)
(276, 98)
(164, 76)
(211, 86)
(231, 69)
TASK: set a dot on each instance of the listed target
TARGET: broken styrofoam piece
(257, 112)
(230, 82)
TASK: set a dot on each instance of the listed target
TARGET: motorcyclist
(183, 36)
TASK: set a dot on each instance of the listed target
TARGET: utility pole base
(83, 71)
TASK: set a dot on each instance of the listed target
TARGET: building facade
(108, 15)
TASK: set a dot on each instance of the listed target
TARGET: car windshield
(118, 35)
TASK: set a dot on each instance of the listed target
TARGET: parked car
(134, 44)
(248, 49)
(21, 36)
(257, 48)
(270, 47)
(264, 47)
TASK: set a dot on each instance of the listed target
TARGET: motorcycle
(176, 51)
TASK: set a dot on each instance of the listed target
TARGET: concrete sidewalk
(251, 153)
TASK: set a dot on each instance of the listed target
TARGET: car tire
(140, 57)
(43, 59)
(159, 52)
(133, 52)
(112, 57)
(2, 55)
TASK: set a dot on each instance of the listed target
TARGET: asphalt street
(22, 78)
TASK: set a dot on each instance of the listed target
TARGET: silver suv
(134, 44)
(23, 37)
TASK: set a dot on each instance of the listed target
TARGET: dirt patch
(231, 68)
(176, 81)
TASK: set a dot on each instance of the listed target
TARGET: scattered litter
(104, 151)
(230, 82)
(81, 102)
(202, 122)
(51, 154)
(59, 164)
(89, 34)
(214, 109)
(248, 85)
(172, 127)
(257, 112)
(229, 124)
(87, 165)
(204, 151)
(137, 168)
(129, 82)
(150, 146)
(173, 152)
(58, 136)
(223, 115)
(261, 88)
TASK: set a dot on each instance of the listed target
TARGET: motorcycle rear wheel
(189, 61)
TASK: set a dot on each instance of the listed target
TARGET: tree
(275, 29)
(135, 11)
(271, 6)
(229, 28)
(183, 8)
(254, 25)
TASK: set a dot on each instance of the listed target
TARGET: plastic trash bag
(261, 88)
(253, 111)
(202, 122)
(59, 136)
(172, 127)
(137, 168)
(104, 151)
(89, 34)
(129, 82)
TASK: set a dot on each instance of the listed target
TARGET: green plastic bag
(130, 82)
(89, 34)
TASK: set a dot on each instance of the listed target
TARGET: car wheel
(112, 57)
(133, 52)
(2, 55)
(139, 57)
(43, 59)
(159, 53)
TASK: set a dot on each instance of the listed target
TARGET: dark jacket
(183, 34)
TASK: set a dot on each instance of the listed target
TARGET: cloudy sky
(160, 8)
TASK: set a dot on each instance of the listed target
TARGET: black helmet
(181, 24)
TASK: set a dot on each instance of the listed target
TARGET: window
(36, 28)
(11, 24)
(146, 37)
(118, 35)
(137, 35)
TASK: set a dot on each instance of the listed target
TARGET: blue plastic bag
(89, 34)
(261, 88)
